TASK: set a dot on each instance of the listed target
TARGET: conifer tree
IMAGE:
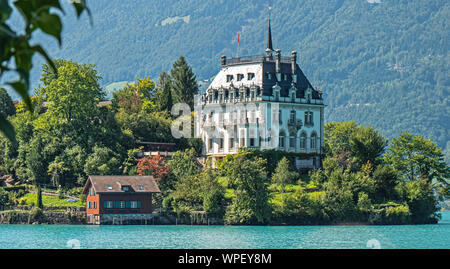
(184, 82)
(165, 101)
(39, 198)
(7, 107)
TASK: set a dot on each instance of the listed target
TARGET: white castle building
(262, 102)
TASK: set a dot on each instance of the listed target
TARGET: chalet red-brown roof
(114, 184)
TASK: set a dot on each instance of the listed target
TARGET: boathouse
(119, 199)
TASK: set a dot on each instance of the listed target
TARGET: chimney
(277, 60)
(293, 61)
(223, 60)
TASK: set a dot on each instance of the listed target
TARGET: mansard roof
(260, 66)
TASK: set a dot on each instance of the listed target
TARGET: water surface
(223, 237)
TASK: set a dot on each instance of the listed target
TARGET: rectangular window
(133, 204)
(108, 204)
(229, 78)
(210, 144)
(240, 77)
(308, 118)
(231, 143)
(221, 143)
(292, 117)
(122, 204)
(252, 142)
(95, 205)
(250, 76)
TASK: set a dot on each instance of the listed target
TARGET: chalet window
(250, 76)
(108, 204)
(229, 78)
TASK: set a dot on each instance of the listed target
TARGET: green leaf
(7, 129)
(41, 51)
(5, 11)
(25, 9)
(21, 88)
(80, 7)
(50, 24)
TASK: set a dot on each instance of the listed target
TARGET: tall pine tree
(165, 99)
(184, 82)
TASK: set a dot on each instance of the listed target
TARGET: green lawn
(50, 200)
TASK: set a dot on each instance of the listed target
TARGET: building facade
(264, 102)
(119, 199)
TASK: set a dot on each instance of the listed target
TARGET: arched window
(314, 140)
(292, 141)
(303, 140)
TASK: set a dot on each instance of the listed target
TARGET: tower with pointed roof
(262, 102)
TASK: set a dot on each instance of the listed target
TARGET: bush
(4, 197)
(397, 215)
(36, 214)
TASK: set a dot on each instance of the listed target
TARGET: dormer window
(240, 77)
(125, 188)
(229, 78)
(140, 187)
(250, 76)
(109, 187)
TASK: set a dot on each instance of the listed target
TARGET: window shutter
(138, 204)
(105, 204)
(127, 204)
(116, 204)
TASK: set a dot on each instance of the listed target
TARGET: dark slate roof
(101, 183)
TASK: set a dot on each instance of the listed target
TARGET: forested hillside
(380, 63)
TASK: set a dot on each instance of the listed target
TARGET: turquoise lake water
(223, 237)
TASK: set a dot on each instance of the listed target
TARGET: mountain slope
(380, 63)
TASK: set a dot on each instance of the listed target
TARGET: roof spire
(269, 48)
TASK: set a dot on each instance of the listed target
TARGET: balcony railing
(256, 59)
